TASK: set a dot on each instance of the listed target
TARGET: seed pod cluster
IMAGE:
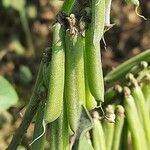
(74, 77)
(71, 80)
(133, 99)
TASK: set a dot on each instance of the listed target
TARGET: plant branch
(39, 93)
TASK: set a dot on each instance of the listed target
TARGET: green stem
(120, 71)
(25, 25)
(38, 129)
(107, 12)
(67, 6)
(56, 136)
(38, 95)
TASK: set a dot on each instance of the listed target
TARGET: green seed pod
(124, 136)
(98, 138)
(79, 68)
(120, 71)
(142, 110)
(138, 136)
(144, 75)
(94, 71)
(56, 81)
(146, 88)
(90, 100)
(119, 121)
(108, 126)
(146, 93)
(92, 50)
(71, 91)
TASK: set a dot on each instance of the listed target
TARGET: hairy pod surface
(56, 81)
(79, 68)
(92, 50)
(71, 91)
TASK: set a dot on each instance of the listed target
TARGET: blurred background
(25, 31)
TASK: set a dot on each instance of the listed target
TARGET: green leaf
(6, 3)
(15, 4)
(8, 96)
(85, 124)
(25, 75)
(21, 148)
(18, 4)
(85, 144)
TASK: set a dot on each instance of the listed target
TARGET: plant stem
(119, 72)
(67, 6)
(25, 25)
(107, 12)
(39, 93)
(38, 139)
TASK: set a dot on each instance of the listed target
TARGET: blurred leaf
(8, 96)
(16, 46)
(31, 11)
(6, 3)
(15, 4)
(21, 148)
(18, 4)
(25, 75)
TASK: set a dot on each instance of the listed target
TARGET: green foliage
(24, 75)
(8, 95)
(15, 4)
